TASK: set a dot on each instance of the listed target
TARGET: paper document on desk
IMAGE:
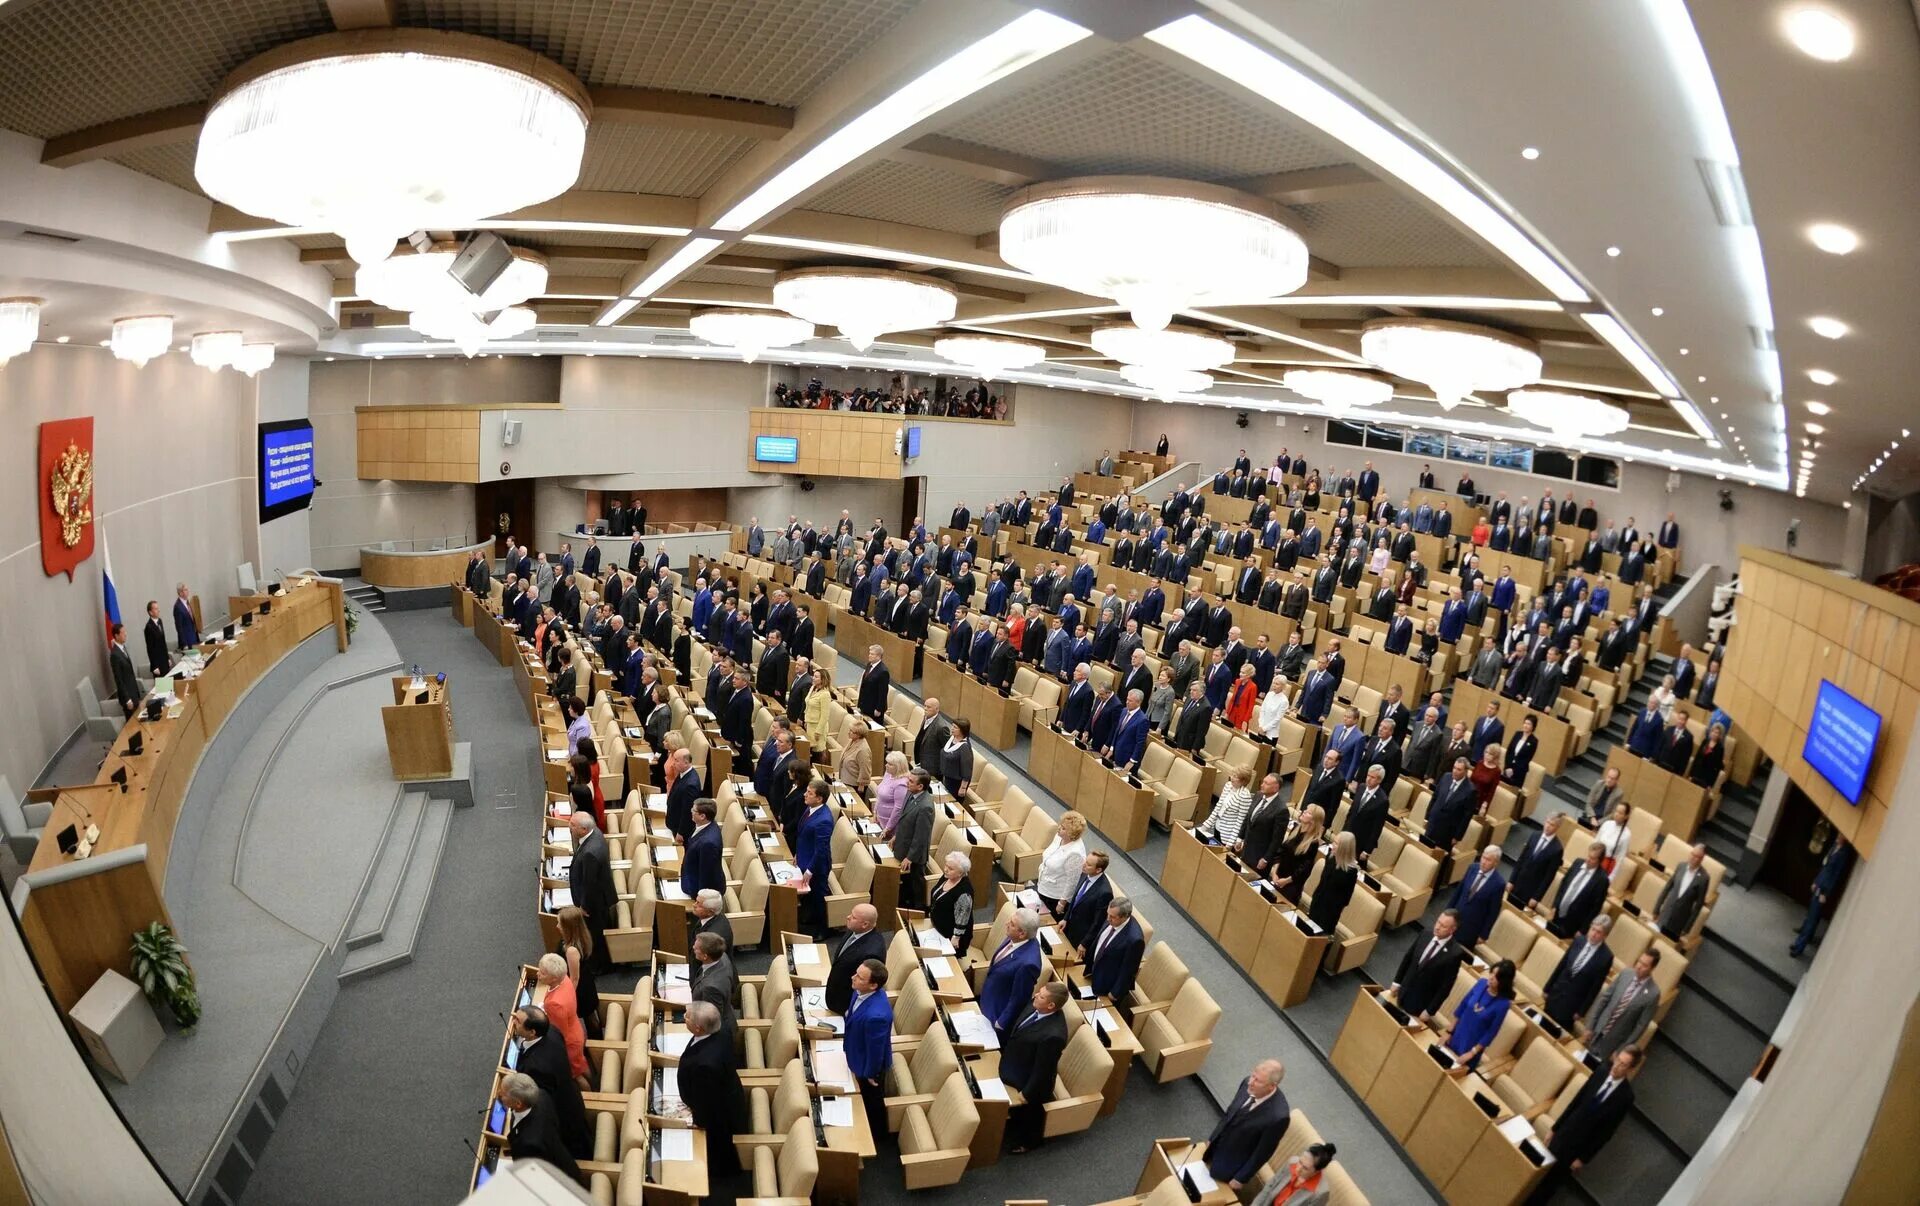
(559, 755)
(930, 940)
(1105, 1018)
(1196, 1172)
(418, 684)
(813, 1000)
(673, 992)
(992, 1088)
(836, 1111)
(676, 1144)
(670, 1083)
(976, 1031)
(559, 837)
(830, 1066)
(676, 973)
(940, 966)
(671, 890)
(881, 851)
(674, 1044)
(806, 953)
(557, 867)
(1517, 1128)
(1028, 899)
(782, 872)
(559, 898)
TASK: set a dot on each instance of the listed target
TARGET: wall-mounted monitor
(778, 450)
(286, 467)
(1841, 735)
(913, 442)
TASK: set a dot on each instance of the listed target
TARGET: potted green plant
(353, 622)
(160, 968)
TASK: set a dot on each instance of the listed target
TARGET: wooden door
(507, 506)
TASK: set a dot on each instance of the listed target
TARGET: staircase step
(1700, 1028)
(1678, 1099)
(396, 847)
(1754, 997)
(395, 947)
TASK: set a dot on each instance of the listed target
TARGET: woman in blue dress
(1480, 1012)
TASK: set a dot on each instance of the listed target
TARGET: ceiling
(699, 102)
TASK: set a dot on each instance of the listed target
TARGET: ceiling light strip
(1020, 43)
(1614, 332)
(898, 255)
(1265, 74)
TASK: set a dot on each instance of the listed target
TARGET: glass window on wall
(1339, 431)
(1517, 457)
(1599, 471)
(1427, 443)
(1551, 462)
(1383, 439)
(1467, 448)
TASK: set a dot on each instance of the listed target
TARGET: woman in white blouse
(1662, 698)
(1616, 834)
(1061, 861)
(1223, 826)
(1273, 709)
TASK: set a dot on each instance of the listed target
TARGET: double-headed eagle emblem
(71, 490)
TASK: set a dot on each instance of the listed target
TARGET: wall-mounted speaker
(509, 432)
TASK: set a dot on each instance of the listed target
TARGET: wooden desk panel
(1449, 1129)
(1364, 1041)
(1407, 1080)
(1213, 887)
(1181, 864)
(1287, 960)
(419, 735)
(1244, 923)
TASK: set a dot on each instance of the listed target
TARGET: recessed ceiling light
(1683, 351)
(1832, 238)
(1828, 328)
(1658, 311)
(62, 338)
(1613, 251)
(1821, 377)
(1529, 152)
(1701, 380)
(1818, 32)
(1819, 408)
(1815, 428)
(106, 343)
(329, 360)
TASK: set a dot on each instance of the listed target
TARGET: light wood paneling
(396, 569)
(832, 443)
(418, 443)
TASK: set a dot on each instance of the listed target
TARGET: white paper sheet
(559, 898)
(670, 1083)
(992, 1088)
(976, 1031)
(559, 755)
(676, 1144)
(1105, 1017)
(881, 851)
(670, 890)
(928, 940)
(1198, 1174)
(836, 1111)
(674, 1044)
(806, 954)
(1517, 1128)
(941, 967)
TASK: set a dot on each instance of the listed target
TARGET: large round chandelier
(1568, 414)
(864, 303)
(750, 331)
(376, 133)
(1164, 348)
(1166, 382)
(422, 280)
(1338, 389)
(141, 337)
(1152, 244)
(215, 350)
(19, 326)
(253, 357)
(1453, 359)
(989, 355)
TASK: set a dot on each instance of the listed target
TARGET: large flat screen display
(286, 467)
(1841, 735)
(779, 450)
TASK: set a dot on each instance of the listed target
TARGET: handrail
(1160, 489)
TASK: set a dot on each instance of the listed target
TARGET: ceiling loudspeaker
(480, 261)
(1241, 419)
(509, 432)
(806, 485)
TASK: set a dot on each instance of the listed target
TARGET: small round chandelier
(865, 303)
(215, 350)
(19, 326)
(1154, 245)
(1568, 414)
(253, 357)
(750, 331)
(422, 281)
(375, 133)
(141, 337)
(1165, 382)
(989, 355)
(1338, 389)
(469, 331)
(1172, 347)
(1453, 359)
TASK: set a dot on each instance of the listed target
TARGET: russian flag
(111, 598)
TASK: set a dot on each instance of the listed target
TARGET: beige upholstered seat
(936, 1139)
(1356, 933)
(1020, 850)
(1080, 1085)
(1176, 798)
(1158, 981)
(1512, 937)
(1531, 1085)
(1176, 1040)
(916, 1073)
(785, 1176)
(1411, 883)
(771, 1111)
(1530, 977)
(913, 1009)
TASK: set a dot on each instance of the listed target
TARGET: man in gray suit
(989, 523)
(912, 837)
(1487, 665)
(1602, 797)
(1624, 1009)
(714, 980)
(1185, 667)
(1424, 746)
(1679, 903)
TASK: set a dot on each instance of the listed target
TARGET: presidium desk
(80, 925)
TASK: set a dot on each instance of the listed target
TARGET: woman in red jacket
(1243, 697)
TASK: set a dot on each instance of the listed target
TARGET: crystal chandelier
(989, 355)
(141, 337)
(253, 357)
(1165, 347)
(1568, 414)
(1453, 359)
(469, 331)
(1154, 245)
(1165, 382)
(864, 303)
(1338, 389)
(19, 326)
(376, 133)
(750, 331)
(215, 350)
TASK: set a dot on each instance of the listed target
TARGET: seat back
(1158, 759)
(1629, 937)
(1085, 1065)
(1363, 915)
(798, 1162)
(1193, 1012)
(1512, 937)
(954, 1117)
(1015, 807)
(856, 877)
(1541, 1071)
(902, 961)
(791, 1101)
(783, 1039)
(1038, 829)
(1161, 973)
(934, 1059)
(913, 1008)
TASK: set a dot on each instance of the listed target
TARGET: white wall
(822, 504)
(174, 500)
(647, 423)
(284, 544)
(1055, 433)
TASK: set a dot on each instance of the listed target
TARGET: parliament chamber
(661, 602)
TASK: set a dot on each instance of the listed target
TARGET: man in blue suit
(1477, 898)
(1103, 720)
(869, 1040)
(1083, 581)
(1454, 802)
(813, 854)
(1012, 971)
(1505, 590)
(184, 629)
(1076, 707)
(1487, 731)
(959, 637)
(700, 865)
(1644, 736)
(1453, 618)
(1316, 693)
(1348, 740)
(1113, 957)
(1129, 735)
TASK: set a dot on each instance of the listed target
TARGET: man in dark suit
(1488, 730)
(1679, 903)
(874, 683)
(1368, 816)
(1676, 745)
(702, 865)
(543, 1056)
(126, 687)
(1250, 1129)
(1454, 802)
(156, 634)
(1537, 865)
(1083, 910)
(1581, 973)
(774, 666)
(716, 982)
(912, 837)
(591, 879)
(1583, 892)
(1113, 958)
(533, 1124)
(1589, 1121)
(1477, 898)
(736, 722)
(185, 630)
(706, 914)
(1029, 1059)
(1426, 972)
(709, 1085)
(861, 943)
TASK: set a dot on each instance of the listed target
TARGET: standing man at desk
(813, 852)
(869, 1041)
(156, 634)
(1252, 1127)
(1590, 1120)
(861, 943)
(710, 1087)
(1012, 971)
(126, 688)
(533, 1124)
(590, 877)
(543, 1056)
(1114, 958)
(1029, 1059)
(184, 628)
(702, 863)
